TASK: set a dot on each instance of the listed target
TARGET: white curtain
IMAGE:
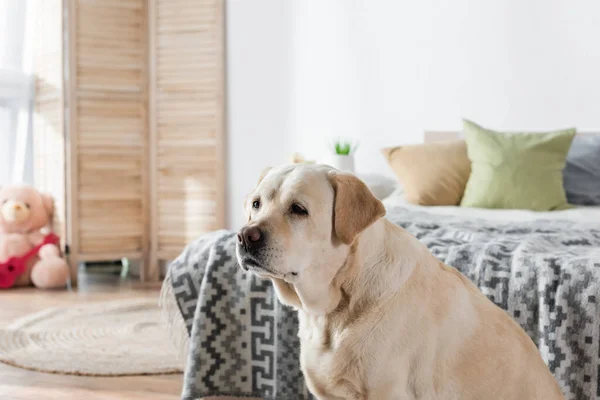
(16, 91)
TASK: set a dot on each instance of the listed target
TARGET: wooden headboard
(438, 136)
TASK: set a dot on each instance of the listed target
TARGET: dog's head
(302, 220)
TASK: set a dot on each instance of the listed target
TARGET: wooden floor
(21, 384)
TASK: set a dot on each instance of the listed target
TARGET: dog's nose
(249, 237)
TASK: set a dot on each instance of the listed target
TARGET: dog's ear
(355, 207)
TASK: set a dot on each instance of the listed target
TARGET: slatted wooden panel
(109, 132)
(121, 157)
(187, 123)
(48, 120)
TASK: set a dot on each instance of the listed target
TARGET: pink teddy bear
(29, 253)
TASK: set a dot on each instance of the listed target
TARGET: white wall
(258, 95)
(302, 72)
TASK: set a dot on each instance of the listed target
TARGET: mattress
(587, 214)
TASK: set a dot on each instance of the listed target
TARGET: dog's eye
(298, 209)
(256, 204)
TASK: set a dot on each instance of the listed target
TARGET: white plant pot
(343, 163)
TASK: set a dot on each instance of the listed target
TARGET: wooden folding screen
(186, 129)
(108, 132)
(141, 85)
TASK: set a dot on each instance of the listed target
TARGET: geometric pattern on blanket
(243, 342)
(545, 274)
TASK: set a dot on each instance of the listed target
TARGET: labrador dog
(380, 317)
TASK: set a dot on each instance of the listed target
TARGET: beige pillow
(432, 174)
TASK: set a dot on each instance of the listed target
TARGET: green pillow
(516, 170)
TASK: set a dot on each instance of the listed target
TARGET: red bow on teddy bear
(16, 266)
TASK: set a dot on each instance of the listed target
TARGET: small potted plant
(343, 155)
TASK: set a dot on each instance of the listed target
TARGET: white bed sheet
(587, 214)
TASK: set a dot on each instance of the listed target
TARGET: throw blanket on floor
(546, 274)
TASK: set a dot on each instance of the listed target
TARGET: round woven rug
(121, 337)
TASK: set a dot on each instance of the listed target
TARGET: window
(16, 91)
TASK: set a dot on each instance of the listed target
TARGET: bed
(543, 268)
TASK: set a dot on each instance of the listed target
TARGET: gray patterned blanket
(545, 274)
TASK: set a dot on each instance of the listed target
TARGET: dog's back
(498, 359)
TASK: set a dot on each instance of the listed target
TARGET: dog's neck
(368, 273)
(380, 267)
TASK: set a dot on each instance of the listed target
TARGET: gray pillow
(381, 186)
(581, 176)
